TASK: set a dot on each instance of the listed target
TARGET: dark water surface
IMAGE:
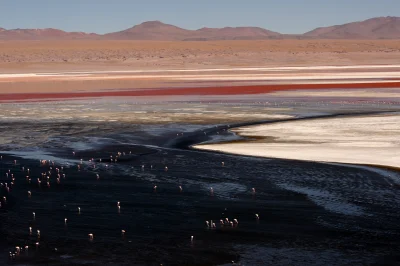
(309, 213)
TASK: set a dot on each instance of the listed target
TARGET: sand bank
(372, 140)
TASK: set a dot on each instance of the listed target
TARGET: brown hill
(151, 30)
(374, 28)
(229, 33)
(156, 30)
(43, 34)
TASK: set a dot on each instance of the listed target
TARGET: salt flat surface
(302, 76)
(388, 93)
(371, 140)
(272, 69)
(207, 70)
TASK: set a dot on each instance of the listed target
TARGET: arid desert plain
(270, 152)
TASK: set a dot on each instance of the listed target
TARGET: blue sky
(102, 16)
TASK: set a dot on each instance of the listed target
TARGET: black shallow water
(310, 213)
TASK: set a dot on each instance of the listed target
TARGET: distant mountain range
(374, 28)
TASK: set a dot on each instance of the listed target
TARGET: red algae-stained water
(125, 193)
(210, 90)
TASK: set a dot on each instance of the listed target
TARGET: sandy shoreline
(77, 66)
(193, 81)
(48, 56)
(369, 140)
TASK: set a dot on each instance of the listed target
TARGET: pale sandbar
(371, 140)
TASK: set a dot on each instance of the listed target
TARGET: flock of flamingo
(58, 173)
